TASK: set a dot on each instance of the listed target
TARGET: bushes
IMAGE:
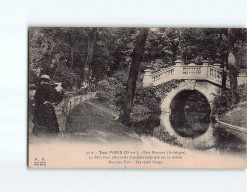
(67, 76)
(242, 92)
(112, 88)
(223, 102)
(146, 99)
(151, 97)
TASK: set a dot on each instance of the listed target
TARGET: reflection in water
(190, 114)
(190, 117)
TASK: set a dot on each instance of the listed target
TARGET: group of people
(44, 117)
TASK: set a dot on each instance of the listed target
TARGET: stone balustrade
(212, 73)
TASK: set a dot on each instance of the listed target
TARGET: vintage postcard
(137, 97)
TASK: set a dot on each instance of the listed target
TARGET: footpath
(93, 123)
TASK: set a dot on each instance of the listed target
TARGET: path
(91, 123)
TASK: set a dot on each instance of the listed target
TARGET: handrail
(163, 72)
(69, 102)
(208, 72)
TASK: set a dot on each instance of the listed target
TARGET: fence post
(147, 78)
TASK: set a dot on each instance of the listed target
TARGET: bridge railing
(215, 74)
(163, 73)
(191, 71)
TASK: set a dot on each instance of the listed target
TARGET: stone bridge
(205, 79)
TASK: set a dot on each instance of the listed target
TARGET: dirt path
(92, 123)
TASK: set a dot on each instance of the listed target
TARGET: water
(190, 114)
(190, 117)
(227, 142)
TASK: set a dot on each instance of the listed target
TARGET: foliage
(192, 44)
(112, 88)
(242, 92)
(151, 96)
(67, 76)
(147, 100)
(241, 58)
(162, 43)
(32, 75)
(222, 101)
(49, 47)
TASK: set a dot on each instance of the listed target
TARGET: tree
(233, 70)
(91, 42)
(137, 55)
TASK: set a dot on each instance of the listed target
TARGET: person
(84, 87)
(45, 120)
(59, 94)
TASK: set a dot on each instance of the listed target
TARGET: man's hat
(45, 77)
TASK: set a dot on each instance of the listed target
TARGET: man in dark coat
(45, 120)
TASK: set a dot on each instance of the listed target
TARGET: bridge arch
(205, 140)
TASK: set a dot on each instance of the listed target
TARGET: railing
(192, 70)
(70, 101)
(215, 74)
(197, 72)
(163, 73)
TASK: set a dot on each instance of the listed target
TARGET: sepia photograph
(123, 96)
(126, 97)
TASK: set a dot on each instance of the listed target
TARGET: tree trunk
(127, 102)
(233, 70)
(224, 74)
(72, 57)
(91, 42)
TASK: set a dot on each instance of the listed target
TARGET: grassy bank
(237, 116)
